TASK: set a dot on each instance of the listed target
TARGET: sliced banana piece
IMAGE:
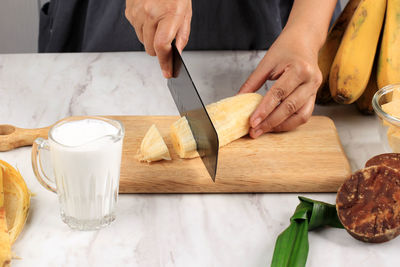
(153, 147)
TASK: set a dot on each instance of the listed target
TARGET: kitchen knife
(189, 104)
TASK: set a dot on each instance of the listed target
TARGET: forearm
(310, 19)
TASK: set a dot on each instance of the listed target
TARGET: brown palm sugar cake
(389, 159)
(368, 204)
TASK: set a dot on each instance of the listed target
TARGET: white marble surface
(164, 230)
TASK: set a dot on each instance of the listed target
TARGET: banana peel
(352, 66)
(364, 103)
(328, 51)
(5, 246)
(16, 200)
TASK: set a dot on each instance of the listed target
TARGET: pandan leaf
(322, 214)
(291, 247)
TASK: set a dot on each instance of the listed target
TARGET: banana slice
(153, 147)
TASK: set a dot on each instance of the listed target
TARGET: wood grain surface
(308, 159)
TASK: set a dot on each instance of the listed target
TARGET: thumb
(259, 76)
(182, 36)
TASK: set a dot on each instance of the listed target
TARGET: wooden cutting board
(308, 159)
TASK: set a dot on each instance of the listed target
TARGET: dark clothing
(100, 25)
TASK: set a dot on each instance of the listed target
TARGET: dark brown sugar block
(368, 204)
(389, 159)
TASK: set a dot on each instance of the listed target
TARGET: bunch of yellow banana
(353, 45)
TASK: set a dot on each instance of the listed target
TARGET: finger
(149, 30)
(182, 37)
(136, 19)
(138, 30)
(128, 15)
(298, 118)
(165, 33)
(290, 105)
(138, 26)
(139, 33)
(281, 89)
(258, 77)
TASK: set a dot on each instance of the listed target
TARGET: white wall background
(19, 23)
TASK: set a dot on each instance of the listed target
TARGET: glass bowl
(389, 126)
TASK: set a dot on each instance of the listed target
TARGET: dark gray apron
(100, 25)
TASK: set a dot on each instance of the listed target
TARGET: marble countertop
(164, 230)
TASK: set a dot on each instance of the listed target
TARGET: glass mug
(86, 169)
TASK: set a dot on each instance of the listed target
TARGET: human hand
(157, 23)
(293, 63)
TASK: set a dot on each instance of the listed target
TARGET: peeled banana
(393, 133)
(392, 108)
(389, 57)
(183, 139)
(153, 147)
(396, 94)
(353, 62)
(328, 51)
(230, 117)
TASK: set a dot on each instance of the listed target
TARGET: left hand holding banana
(290, 101)
(292, 61)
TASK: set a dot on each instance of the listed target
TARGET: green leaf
(302, 212)
(322, 214)
(291, 247)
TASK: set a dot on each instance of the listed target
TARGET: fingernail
(256, 122)
(165, 73)
(258, 133)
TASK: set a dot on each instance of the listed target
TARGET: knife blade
(189, 104)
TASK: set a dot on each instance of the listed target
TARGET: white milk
(86, 158)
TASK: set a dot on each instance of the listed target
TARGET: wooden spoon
(12, 137)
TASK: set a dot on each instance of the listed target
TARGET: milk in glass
(86, 158)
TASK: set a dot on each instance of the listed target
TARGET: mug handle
(38, 145)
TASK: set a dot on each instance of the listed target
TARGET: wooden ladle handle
(12, 137)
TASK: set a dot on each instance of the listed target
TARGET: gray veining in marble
(164, 230)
